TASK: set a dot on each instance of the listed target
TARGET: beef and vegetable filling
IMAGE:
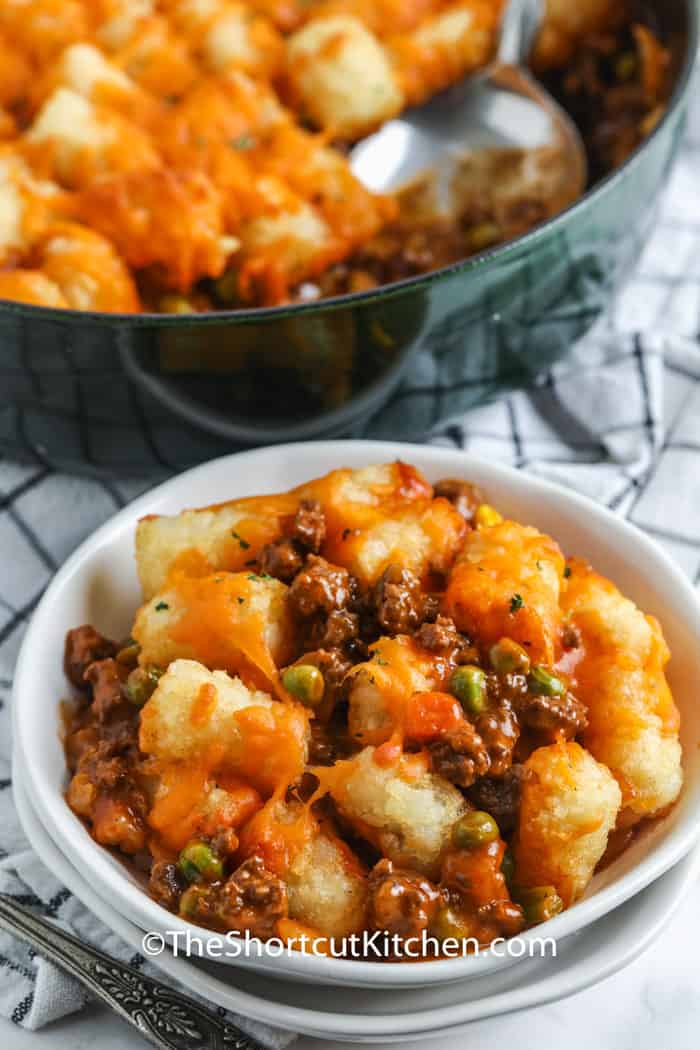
(369, 704)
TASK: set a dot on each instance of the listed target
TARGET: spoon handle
(519, 25)
(163, 1016)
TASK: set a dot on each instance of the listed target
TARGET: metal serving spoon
(501, 107)
(164, 1017)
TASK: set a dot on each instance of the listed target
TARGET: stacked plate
(625, 907)
(366, 1016)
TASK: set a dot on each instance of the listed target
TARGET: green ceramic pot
(280, 374)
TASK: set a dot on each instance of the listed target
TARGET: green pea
(448, 923)
(474, 829)
(191, 900)
(227, 287)
(507, 657)
(468, 683)
(199, 861)
(176, 304)
(128, 655)
(539, 903)
(543, 683)
(141, 684)
(305, 682)
(508, 867)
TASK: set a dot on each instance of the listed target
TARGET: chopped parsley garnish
(516, 604)
(161, 606)
(240, 601)
(243, 142)
(567, 572)
(380, 660)
(242, 543)
(259, 577)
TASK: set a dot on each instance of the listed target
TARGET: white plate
(362, 1016)
(98, 585)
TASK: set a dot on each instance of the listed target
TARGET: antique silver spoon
(163, 1016)
(501, 107)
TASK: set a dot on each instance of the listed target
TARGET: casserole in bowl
(98, 585)
(308, 368)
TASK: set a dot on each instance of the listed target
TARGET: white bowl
(98, 585)
(363, 1015)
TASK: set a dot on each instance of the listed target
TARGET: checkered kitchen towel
(619, 421)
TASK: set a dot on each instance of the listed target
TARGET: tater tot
(327, 887)
(341, 77)
(227, 536)
(190, 802)
(158, 217)
(399, 806)
(385, 514)
(506, 583)
(618, 672)
(326, 882)
(568, 808)
(380, 689)
(31, 286)
(236, 622)
(446, 45)
(196, 715)
(83, 139)
(87, 269)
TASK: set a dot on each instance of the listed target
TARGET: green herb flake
(161, 606)
(258, 578)
(516, 604)
(567, 572)
(243, 142)
(380, 660)
(242, 543)
(241, 601)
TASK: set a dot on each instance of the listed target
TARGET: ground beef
(105, 677)
(500, 796)
(443, 637)
(460, 756)
(333, 665)
(399, 601)
(84, 645)
(166, 883)
(337, 629)
(400, 902)
(252, 899)
(281, 559)
(464, 497)
(320, 588)
(556, 716)
(506, 915)
(309, 525)
(499, 729)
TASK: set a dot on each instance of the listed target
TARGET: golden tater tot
(394, 802)
(31, 286)
(379, 690)
(618, 672)
(341, 77)
(87, 269)
(161, 218)
(227, 536)
(506, 584)
(238, 622)
(209, 719)
(569, 806)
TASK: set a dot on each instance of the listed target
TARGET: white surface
(98, 585)
(652, 1005)
(583, 960)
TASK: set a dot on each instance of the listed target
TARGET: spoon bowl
(502, 109)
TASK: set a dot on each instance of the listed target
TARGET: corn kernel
(486, 516)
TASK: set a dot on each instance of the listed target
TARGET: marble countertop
(654, 1004)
